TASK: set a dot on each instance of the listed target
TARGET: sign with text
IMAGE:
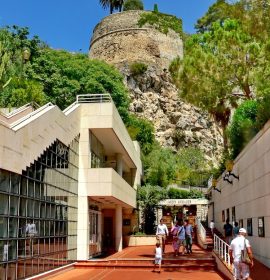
(180, 202)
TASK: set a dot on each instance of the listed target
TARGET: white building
(247, 200)
(73, 176)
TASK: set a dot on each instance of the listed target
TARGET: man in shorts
(161, 233)
(237, 247)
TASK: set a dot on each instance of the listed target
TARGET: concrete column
(119, 164)
(118, 229)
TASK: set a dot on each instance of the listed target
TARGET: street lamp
(214, 185)
(229, 173)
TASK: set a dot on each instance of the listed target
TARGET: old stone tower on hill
(118, 40)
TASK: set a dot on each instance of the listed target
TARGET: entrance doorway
(108, 240)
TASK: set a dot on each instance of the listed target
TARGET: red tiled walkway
(103, 274)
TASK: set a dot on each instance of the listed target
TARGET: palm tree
(113, 4)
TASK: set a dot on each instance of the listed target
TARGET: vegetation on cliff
(133, 5)
(161, 22)
(226, 62)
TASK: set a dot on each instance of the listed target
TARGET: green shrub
(142, 131)
(138, 68)
(161, 22)
(242, 128)
(155, 8)
(133, 5)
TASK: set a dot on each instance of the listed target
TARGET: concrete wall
(118, 38)
(251, 194)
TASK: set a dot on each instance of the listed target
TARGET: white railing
(221, 248)
(94, 98)
(201, 230)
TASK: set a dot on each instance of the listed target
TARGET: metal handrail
(221, 248)
(94, 98)
(201, 229)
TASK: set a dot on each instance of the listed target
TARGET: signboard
(181, 202)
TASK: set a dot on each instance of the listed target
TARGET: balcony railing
(94, 98)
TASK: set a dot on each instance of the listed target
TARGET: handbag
(244, 255)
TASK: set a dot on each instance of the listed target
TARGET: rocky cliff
(119, 40)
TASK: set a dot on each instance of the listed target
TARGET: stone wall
(118, 40)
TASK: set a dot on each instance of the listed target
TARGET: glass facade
(97, 152)
(38, 213)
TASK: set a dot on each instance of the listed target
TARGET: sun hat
(242, 230)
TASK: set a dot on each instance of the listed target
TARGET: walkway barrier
(201, 230)
(221, 248)
(94, 98)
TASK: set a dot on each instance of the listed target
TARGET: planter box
(136, 240)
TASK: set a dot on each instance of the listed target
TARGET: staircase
(142, 258)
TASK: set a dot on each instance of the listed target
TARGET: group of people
(239, 249)
(181, 232)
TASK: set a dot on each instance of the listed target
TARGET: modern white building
(247, 200)
(67, 184)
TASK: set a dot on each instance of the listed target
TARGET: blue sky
(68, 24)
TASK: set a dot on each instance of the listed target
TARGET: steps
(175, 264)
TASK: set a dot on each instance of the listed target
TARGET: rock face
(118, 40)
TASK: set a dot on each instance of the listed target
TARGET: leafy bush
(148, 197)
(142, 131)
(242, 127)
(138, 68)
(133, 5)
(155, 8)
(174, 193)
(162, 22)
(160, 166)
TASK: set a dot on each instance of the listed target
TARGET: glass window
(23, 186)
(3, 204)
(21, 248)
(22, 206)
(15, 183)
(13, 227)
(228, 214)
(37, 190)
(261, 227)
(4, 180)
(22, 227)
(12, 250)
(3, 227)
(14, 204)
(249, 227)
(31, 189)
(233, 214)
(12, 268)
(30, 208)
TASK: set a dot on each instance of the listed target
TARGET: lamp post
(214, 185)
(229, 167)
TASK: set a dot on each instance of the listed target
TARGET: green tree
(65, 75)
(160, 167)
(217, 67)
(148, 198)
(242, 127)
(133, 5)
(112, 4)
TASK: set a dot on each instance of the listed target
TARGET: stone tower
(118, 40)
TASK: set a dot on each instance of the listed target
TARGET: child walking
(158, 257)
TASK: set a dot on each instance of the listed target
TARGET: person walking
(181, 237)
(235, 229)
(174, 232)
(239, 248)
(212, 226)
(161, 234)
(188, 236)
(158, 258)
(228, 229)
